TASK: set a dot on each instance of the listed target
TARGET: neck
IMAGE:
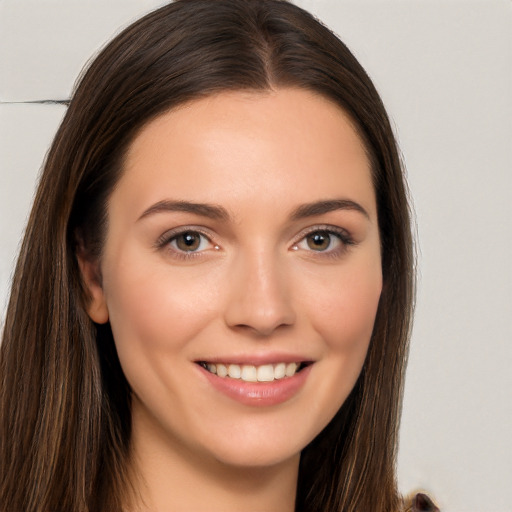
(170, 477)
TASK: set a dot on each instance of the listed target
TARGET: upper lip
(256, 359)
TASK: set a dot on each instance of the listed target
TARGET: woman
(212, 302)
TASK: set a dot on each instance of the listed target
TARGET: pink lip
(259, 394)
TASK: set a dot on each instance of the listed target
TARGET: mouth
(252, 373)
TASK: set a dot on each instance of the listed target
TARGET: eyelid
(163, 241)
(345, 238)
(342, 233)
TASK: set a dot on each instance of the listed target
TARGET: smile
(256, 385)
(251, 373)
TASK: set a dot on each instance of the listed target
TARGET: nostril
(261, 329)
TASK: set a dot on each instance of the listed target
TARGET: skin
(255, 285)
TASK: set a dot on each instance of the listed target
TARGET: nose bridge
(260, 298)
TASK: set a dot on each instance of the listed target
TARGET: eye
(185, 243)
(321, 241)
(324, 241)
(189, 241)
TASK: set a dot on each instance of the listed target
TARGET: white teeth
(222, 371)
(280, 371)
(250, 373)
(291, 368)
(265, 373)
(234, 371)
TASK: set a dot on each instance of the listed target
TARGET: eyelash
(164, 242)
(342, 235)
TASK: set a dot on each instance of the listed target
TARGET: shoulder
(420, 502)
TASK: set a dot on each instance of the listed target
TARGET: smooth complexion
(243, 230)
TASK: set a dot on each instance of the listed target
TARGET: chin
(260, 443)
(257, 456)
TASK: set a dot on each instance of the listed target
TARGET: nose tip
(260, 301)
(263, 321)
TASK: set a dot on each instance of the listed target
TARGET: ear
(97, 306)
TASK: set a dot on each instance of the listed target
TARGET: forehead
(248, 148)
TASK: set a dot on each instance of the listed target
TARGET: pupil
(319, 241)
(188, 241)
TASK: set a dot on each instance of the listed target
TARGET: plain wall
(443, 69)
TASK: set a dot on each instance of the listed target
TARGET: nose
(259, 296)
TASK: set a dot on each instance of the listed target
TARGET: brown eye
(188, 242)
(319, 240)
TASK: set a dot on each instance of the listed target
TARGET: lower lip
(259, 394)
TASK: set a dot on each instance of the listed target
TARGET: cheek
(345, 307)
(343, 315)
(155, 311)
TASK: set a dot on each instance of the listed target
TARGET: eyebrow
(202, 209)
(330, 205)
(219, 213)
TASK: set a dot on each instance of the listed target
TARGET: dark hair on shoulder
(64, 402)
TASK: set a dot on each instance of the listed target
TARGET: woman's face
(242, 239)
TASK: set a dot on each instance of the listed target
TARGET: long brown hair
(64, 402)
